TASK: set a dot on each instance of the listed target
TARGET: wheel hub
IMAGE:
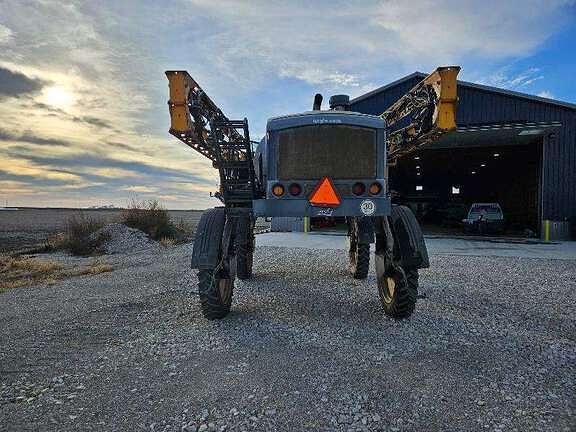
(391, 285)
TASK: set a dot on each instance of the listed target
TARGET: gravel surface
(122, 239)
(491, 347)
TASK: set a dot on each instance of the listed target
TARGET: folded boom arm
(200, 124)
(430, 110)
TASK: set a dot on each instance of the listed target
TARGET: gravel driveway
(491, 347)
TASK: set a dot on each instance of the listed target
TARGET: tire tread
(405, 297)
(210, 301)
(362, 266)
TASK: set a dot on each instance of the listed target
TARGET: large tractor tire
(358, 254)
(397, 288)
(359, 260)
(215, 290)
(244, 260)
(245, 246)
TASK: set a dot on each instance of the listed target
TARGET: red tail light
(358, 188)
(295, 189)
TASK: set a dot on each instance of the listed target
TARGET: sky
(83, 96)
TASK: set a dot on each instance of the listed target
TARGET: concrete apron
(436, 245)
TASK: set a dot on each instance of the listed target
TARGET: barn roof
(480, 87)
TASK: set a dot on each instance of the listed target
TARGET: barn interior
(478, 164)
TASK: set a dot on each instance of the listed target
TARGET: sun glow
(59, 97)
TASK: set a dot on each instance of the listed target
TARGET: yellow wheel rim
(391, 285)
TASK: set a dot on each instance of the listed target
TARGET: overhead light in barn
(482, 165)
(531, 132)
(496, 154)
(473, 172)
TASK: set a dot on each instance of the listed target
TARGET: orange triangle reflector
(325, 194)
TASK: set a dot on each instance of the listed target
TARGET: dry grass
(22, 271)
(186, 229)
(95, 267)
(31, 265)
(167, 242)
(19, 271)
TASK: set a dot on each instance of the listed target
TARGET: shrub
(151, 218)
(79, 236)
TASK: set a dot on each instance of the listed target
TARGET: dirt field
(51, 220)
(28, 227)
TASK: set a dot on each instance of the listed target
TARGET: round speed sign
(367, 207)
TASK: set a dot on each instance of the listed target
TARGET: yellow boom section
(180, 83)
(430, 107)
(193, 115)
(444, 82)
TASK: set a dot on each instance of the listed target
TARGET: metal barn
(515, 149)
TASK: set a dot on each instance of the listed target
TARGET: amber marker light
(278, 190)
(375, 188)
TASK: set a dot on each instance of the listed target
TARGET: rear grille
(336, 151)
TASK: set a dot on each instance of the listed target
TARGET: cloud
(31, 138)
(20, 169)
(110, 172)
(5, 34)
(15, 187)
(15, 84)
(141, 189)
(86, 165)
(122, 146)
(512, 80)
(86, 119)
(94, 121)
(546, 94)
(340, 43)
(449, 29)
(318, 76)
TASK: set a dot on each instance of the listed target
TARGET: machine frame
(224, 244)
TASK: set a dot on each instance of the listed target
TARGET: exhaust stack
(317, 106)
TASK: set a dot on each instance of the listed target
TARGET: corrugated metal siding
(478, 106)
